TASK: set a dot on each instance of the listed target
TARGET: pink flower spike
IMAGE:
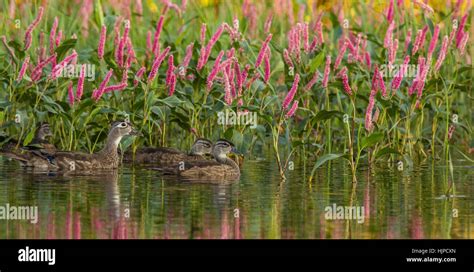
(214, 71)
(398, 78)
(390, 12)
(203, 34)
(262, 51)
(59, 37)
(52, 35)
(122, 43)
(368, 59)
(417, 42)
(434, 40)
(407, 40)
(36, 73)
(460, 30)
(342, 51)
(206, 51)
(23, 68)
(388, 35)
(100, 47)
(70, 94)
(423, 36)
(305, 38)
(157, 63)
(423, 6)
(292, 110)
(149, 45)
(139, 75)
(345, 82)
(159, 27)
(370, 107)
(266, 66)
(313, 81)
(268, 24)
(381, 84)
(216, 36)
(172, 85)
(287, 59)
(60, 66)
(170, 70)
(393, 51)
(117, 87)
(291, 94)
(188, 56)
(462, 45)
(227, 89)
(97, 94)
(442, 53)
(320, 32)
(31, 27)
(80, 83)
(327, 70)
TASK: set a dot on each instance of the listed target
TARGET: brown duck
(39, 146)
(222, 169)
(107, 158)
(169, 156)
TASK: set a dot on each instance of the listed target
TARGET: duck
(107, 158)
(39, 145)
(220, 169)
(169, 156)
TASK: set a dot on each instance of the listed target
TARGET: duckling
(169, 156)
(107, 158)
(222, 169)
(40, 144)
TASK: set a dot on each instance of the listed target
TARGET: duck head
(120, 129)
(201, 147)
(43, 131)
(223, 147)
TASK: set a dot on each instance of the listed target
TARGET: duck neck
(111, 145)
(224, 160)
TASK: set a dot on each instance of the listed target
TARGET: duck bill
(236, 152)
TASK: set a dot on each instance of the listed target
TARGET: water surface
(139, 203)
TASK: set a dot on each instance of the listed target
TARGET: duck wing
(160, 155)
(76, 160)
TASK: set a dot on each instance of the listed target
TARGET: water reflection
(137, 203)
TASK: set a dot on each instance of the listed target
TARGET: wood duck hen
(222, 169)
(39, 146)
(169, 156)
(107, 158)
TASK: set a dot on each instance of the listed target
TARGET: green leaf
(171, 101)
(98, 13)
(324, 115)
(323, 159)
(371, 140)
(64, 47)
(29, 137)
(316, 62)
(385, 151)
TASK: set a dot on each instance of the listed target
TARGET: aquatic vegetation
(327, 81)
